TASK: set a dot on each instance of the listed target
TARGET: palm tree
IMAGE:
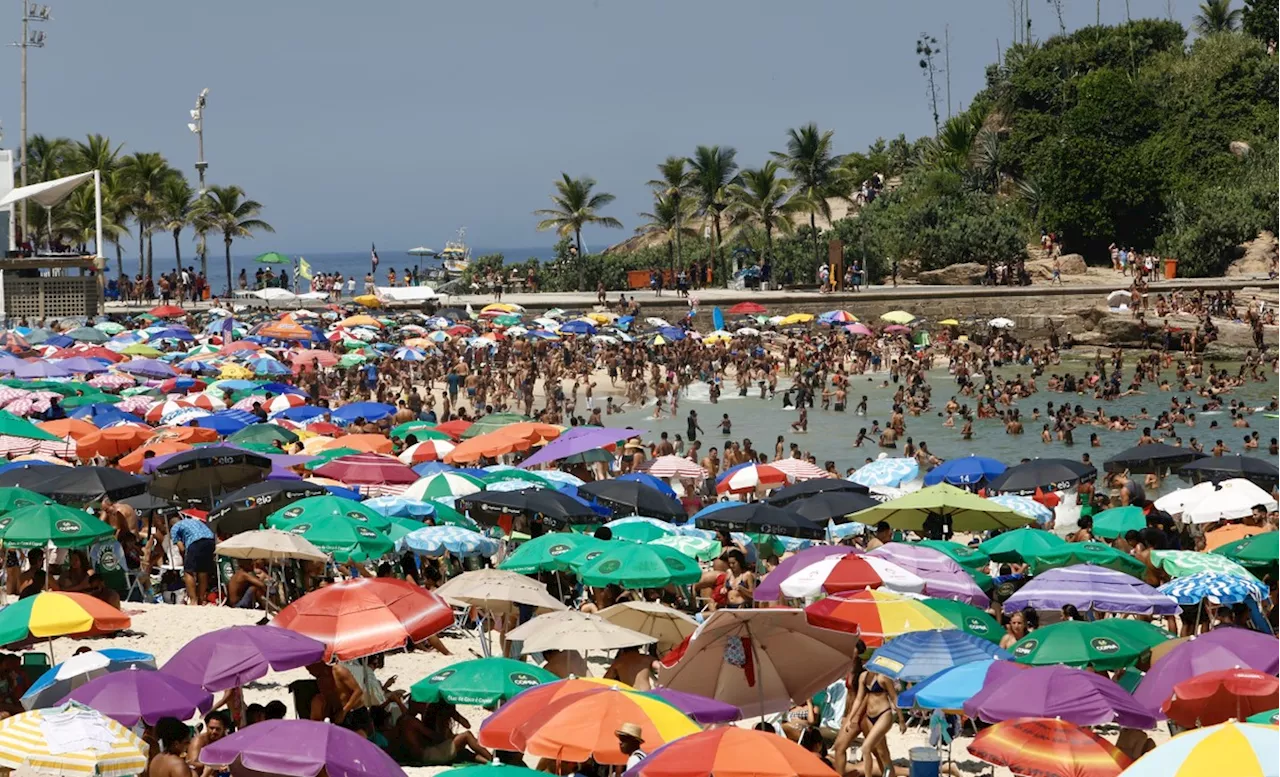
(809, 160)
(47, 160)
(115, 209)
(227, 211)
(712, 170)
(576, 207)
(763, 199)
(669, 188)
(77, 220)
(666, 222)
(146, 174)
(178, 209)
(95, 152)
(1216, 16)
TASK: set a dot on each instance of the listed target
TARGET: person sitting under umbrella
(79, 577)
(444, 747)
(630, 738)
(247, 588)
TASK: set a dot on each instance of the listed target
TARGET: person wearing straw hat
(630, 738)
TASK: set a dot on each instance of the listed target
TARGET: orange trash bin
(1170, 269)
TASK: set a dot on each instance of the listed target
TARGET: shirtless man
(565, 663)
(633, 667)
(339, 695)
(245, 588)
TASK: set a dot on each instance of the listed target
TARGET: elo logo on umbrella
(610, 566)
(1025, 648)
(556, 550)
(67, 527)
(1104, 645)
(523, 680)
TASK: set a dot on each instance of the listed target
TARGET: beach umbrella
(497, 730)
(1152, 457)
(14, 498)
(1051, 748)
(1089, 587)
(272, 257)
(133, 696)
(443, 484)
(248, 507)
(499, 591)
(264, 433)
(897, 317)
(554, 508)
(942, 576)
(582, 726)
(886, 472)
(1228, 748)
(1233, 499)
(57, 614)
(669, 627)
(1043, 474)
(1259, 550)
(270, 545)
(635, 496)
(237, 655)
(967, 618)
(701, 548)
(1119, 521)
(849, 573)
(964, 471)
(70, 740)
(1222, 648)
(368, 469)
(1095, 553)
(1216, 587)
(300, 748)
(501, 475)
(1075, 695)
(574, 630)
(1180, 563)
(875, 616)
(1261, 472)
(834, 506)
(759, 660)
(949, 689)
(942, 505)
(1020, 545)
(759, 518)
(700, 709)
(438, 540)
(640, 530)
(730, 751)
(49, 523)
(673, 467)
(547, 552)
(369, 411)
(1270, 717)
(1110, 643)
(427, 450)
(637, 566)
(206, 472)
(53, 686)
(747, 478)
(919, 654)
(361, 617)
(966, 556)
(788, 494)
(1222, 695)
(80, 485)
(483, 682)
(342, 537)
(769, 588)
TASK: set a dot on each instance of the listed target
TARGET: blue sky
(399, 121)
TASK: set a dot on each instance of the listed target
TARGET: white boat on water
(456, 256)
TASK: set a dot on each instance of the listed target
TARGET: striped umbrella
(673, 466)
(443, 484)
(1217, 587)
(1180, 563)
(1048, 747)
(746, 478)
(427, 450)
(436, 540)
(876, 616)
(848, 573)
(1024, 505)
(886, 472)
(798, 470)
(102, 747)
(1236, 749)
(581, 726)
(913, 657)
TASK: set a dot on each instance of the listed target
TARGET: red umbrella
(1216, 697)
(167, 311)
(189, 386)
(730, 751)
(747, 309)
(326, 428)
(458, 330)
(366, 616)
(454, 428)
(1048, 748)
(368, 469)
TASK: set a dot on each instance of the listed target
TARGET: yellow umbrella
(500, 307)
(235, 372)
(313, 445)
(948, 322)
(659, 340)
(898, 317)
(110, 749)
(601, 318)
(361, 319)
(797, 318)
(368, 300)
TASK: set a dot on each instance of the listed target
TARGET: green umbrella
(1269, 718)
(267, 433)
(1180, 563)
(493, 769)
(509, 319)
(447, 516)
(1260, 550)
(447, 484)
(484, 682)
(38, 525)
(109, 327)
(1020, 545)
(1096, 553)
(400, 526)
(346, 539)
(324, 457)
(257, 447)
(88, 334)
(90, 398)
(1119, 521)
(139, 391)
(352, 360)
(313, 508)
(420, 429)
(272, 257)
(498, 476)
(142, 349)
(640, 531)
(638, 566)
(1110, 643)
(967, 512)
(970, 558)
(15, 498)
(588, 457)
(548, 552)
(492, 423)
(967, 618)
(701, 548)
(13, 426)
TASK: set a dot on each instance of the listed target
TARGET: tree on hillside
(227, 211)
(1260, 19)
(576, 207)
(1216, 16)
(671, 185)
(762, 199)
(815, 171)
(712, 170)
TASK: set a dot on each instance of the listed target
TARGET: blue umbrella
(886, 472)
(1217, 587)
(432, 467)
(965, 471)
(671, 332)
(948, 689)
(918, 654)
(301, 414)
(650, 480)
(401, 507)
(410, 355)
(265, 365)
(577, 327)
(345, 493)
(24, 464)
(40, 369)
(59, 341)
(173, 334)
(100, 414)
(235, 384)
(51, 687)
(226, 422)
(1024, 505)
(369, 411)
(436, 540)
(276, 387)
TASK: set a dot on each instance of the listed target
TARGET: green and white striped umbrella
(1180, 563)
(700, 548)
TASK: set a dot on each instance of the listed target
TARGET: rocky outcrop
(1042, 269)
(1259, 257)
(963, 274)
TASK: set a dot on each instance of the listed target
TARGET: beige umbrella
(760, 660)
(669, 627)
(574, 630)
(271, 545)
(498, 592)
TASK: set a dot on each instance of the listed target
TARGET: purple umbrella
(300, 748)
(41, 369)
(770, 588)
(1015, 691)
(230, 657)
(1090, 587)
(1225, 648)
(135, 694)
(83, 364)
(151, 368)
(700, 708)
(942, 576)
(579, 440)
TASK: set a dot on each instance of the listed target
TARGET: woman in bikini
(740, 583)
(877, 703)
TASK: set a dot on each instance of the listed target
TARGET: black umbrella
(150, 503)
(761, 518)
(555, 509)
(805, 488)
(80, 485)
(1154, 457)
(640, 498)
(1047, 474)
(248, 508)
(203, 473)
(832, 505)
(28, 476)
(1259, 471)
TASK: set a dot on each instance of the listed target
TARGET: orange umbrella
(1048, 747)
(730, 751)
(582, 726)
(497, 729)
(284, 330)
(306, 359)
(113, 441)
(189, 434)
(1228, 534)
(132, 462)
(361, 319)
(239, 346)
(74, 428)
(368, 443)
(491, 445)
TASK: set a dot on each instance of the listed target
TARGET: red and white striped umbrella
(845, 574)
(22, 406)
(673, 466)
(744, 480)
(113, 380)
(158, 410)
(428, 450)
(207, 402)
(247, 403)
(284, 402)
(8, 394)
(136, 405)
(799, 469)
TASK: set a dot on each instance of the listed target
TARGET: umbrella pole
(51, 661)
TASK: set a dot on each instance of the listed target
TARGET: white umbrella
(1000, 323)
(808, 581)
(747, 331)
(499, 592)
(1119, 297)
(270, 545)
(421, 251)
(1232, 500)
(669, 627)
(574, 630)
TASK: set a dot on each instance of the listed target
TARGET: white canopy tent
(50, 193)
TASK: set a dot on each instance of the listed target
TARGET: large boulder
(962, 274)
(1259, 257)
(1042, 269)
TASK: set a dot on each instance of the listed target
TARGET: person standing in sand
(340, 695)
(632, 667)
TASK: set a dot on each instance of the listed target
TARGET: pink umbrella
(942, 576)
(858, 329)
(21, 406)
(8, 394)
(896, 329)
(368, 469)
(247, 403)
(136, 405)
(673, 466)
(799, 469)
(114, 380)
